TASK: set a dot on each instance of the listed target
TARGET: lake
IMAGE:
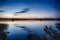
(30, 30)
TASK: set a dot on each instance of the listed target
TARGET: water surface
(19, 30)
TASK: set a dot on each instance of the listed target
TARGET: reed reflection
(3, 31)
(58, 26)
(53, 33)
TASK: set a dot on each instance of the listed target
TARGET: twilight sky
(37, 8)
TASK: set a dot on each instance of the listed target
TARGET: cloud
(2, 11)
(24, 10)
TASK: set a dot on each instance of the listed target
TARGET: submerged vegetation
(3, 27)
(3, 33)
(58, 26)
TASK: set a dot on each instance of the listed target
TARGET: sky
(37, 8)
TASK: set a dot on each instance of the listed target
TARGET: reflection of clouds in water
(25, 29)
(31, 29)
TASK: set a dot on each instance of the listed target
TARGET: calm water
(21, 29)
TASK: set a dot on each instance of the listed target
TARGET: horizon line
(41, 19)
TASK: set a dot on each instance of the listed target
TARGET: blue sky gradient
(37, 7)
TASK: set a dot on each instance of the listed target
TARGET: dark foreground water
(30, 30)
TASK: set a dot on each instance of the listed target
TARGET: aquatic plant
(58, 26)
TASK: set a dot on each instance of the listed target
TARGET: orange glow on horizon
(26, 22)
(26, 16)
